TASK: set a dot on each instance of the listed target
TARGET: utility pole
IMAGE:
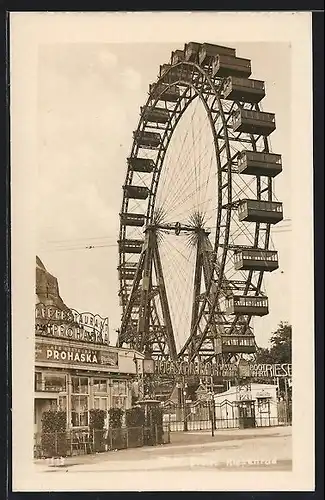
(184, 405)
(213, 414)
(286, 398)
(211, 403)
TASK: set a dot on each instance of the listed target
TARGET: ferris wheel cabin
(246, 304)
(173, 74)
(145, 165)
(164, 92)
(191, 51)
(136, 192)
(243, 89)
(270, 212)
(207, 52)
(149, 140)
(224, 65)
(155, 115)
(127, 271)
(256, 259)
(177, 56)
(238, 344)
(131, 219)
(130, 246)
(255, 163)
(253, 122)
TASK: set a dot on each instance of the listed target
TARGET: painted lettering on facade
(185, 368)
(69, 324)
(75, 355)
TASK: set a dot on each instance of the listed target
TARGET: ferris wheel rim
(164, 149)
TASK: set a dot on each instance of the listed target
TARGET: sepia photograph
(162, 256)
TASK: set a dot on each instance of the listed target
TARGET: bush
(96, 424)
(54, 438)
(53, 421)
(154, 425)
(97, 419)
(115, 418)
(119, 438)
(135, 417)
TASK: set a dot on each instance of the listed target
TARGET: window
(101, 403)
(79, 403)
(63, 403)
(119, 388)
(79, 385)
(119, 402)
(100, 385)
(238, 256)
(38, 381)
(240, 160)
(54, 382)
(119, 394)
(79, 411)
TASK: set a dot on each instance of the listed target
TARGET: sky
(89, 97)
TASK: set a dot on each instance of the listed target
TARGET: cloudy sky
(89, 97)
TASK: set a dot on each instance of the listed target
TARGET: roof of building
(47, 287)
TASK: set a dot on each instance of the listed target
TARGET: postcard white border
(27, 31)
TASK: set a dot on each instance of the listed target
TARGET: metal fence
(202, 416)
(70, 443)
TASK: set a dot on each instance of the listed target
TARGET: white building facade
(261, 407)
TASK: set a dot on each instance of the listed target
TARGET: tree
(263, 355)
(281, 343)
(280, 351)
(281, 346)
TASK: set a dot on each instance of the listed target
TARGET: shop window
(102, 403)
(119, 394)
(115, 388)
(38, 381)
(122, 388)
(63, 403)
(79, 385)
(119, 402)
(100, 385)
(119, 388)
(79, 411)
(52, 405)
(54, 382)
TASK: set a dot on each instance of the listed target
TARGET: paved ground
(263, 449)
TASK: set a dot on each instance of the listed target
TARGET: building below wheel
(76, 369)
(261, 409)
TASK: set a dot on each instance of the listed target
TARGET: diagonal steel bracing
(151, 333)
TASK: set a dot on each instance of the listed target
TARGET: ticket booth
(246, 413)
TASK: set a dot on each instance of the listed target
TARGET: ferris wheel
(197, 210)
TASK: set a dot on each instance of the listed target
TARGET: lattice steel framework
(199, 73)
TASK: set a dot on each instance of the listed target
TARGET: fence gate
(199, 415)
(189, 417)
